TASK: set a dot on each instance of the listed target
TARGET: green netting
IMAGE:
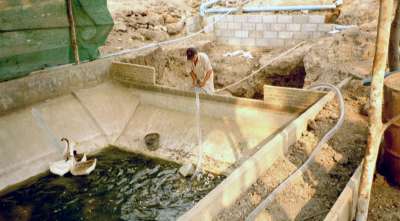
(35, 34)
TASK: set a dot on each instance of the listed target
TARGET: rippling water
(123, 186)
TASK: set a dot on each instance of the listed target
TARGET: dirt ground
(385, 203)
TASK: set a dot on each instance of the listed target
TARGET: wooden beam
(72, 31)
(375, 111)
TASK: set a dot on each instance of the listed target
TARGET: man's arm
(194, 78)
(208, 67)
(206, 78)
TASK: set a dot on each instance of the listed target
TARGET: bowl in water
(152, 141)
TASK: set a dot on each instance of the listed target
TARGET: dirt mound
(358, 12)
(334, 58)
(229, 70)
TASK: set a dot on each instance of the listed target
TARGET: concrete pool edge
(344, 208)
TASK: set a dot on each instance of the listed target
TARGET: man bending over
(201, 70)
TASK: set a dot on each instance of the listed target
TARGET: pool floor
(124, 186)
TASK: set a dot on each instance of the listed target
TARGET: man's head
(191, 53)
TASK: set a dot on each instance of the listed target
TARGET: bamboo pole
(375, 111)
(72, 31)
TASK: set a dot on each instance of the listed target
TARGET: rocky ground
(141, 22)
(329, 59)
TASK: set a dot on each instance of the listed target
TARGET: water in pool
(123, 186)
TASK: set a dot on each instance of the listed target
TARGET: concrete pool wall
(94, 106)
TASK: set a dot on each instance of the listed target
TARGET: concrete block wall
(268, 30)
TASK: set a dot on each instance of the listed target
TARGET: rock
(120, 27)
(160, 28)
(149, 21)
(168, 19)
(187, 169)
(175, 28)
(137, 36)
(364, 109)
(311, 125)
(231, 3)
(154, 35)
(332, 16)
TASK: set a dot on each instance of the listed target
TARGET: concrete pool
(104, 103)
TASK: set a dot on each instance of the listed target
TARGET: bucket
(152, 141)
(391, 154)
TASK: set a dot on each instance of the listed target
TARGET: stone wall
(268, 30)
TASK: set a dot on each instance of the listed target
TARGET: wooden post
(394, 60)
(375, 111)
(72, 31)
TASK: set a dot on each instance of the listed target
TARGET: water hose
(252, 216)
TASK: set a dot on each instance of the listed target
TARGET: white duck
(83, 168)
(80, 164)
(63, 166)
(70, 155)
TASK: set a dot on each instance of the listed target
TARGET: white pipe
(273, 8)
(204, 6)
(265, 8)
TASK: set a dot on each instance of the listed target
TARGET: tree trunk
(375, 111)
(394, 58)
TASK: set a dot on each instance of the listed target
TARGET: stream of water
(199, 134)
(124, 186)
